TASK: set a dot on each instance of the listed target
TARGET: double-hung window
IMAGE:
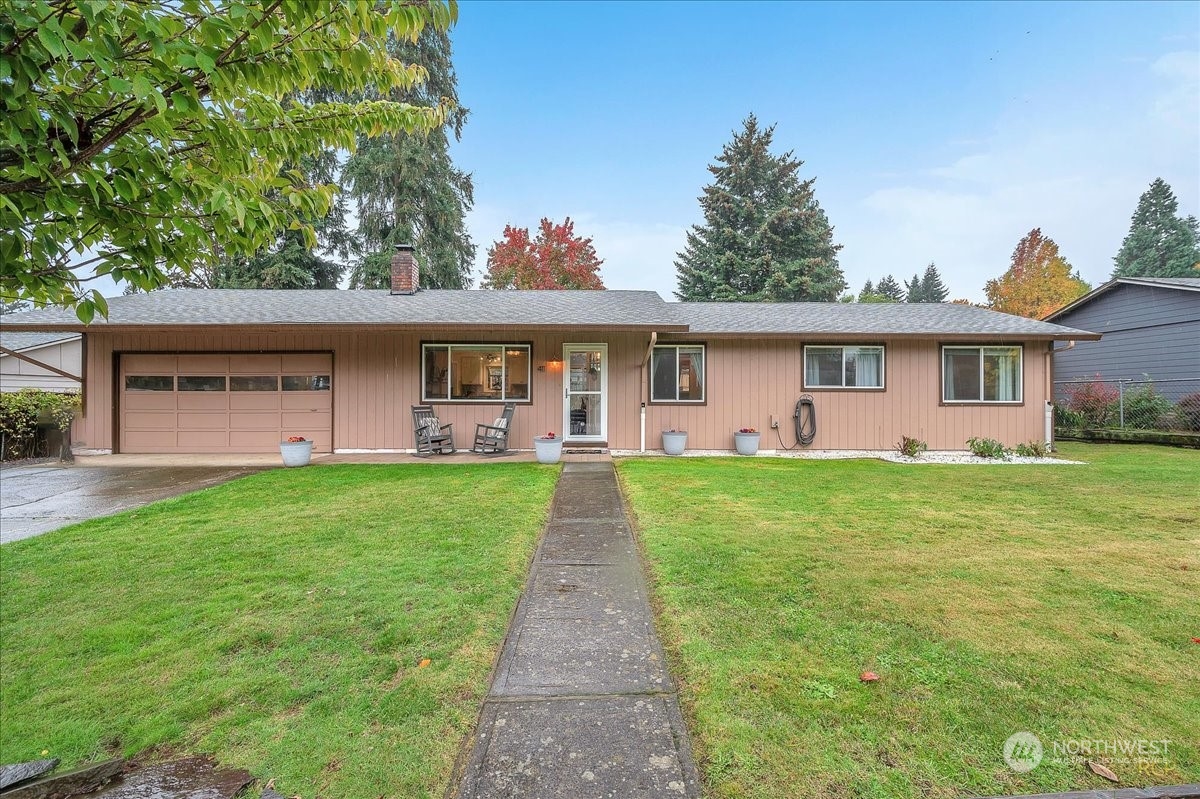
(475, 372)
(981, 374)
(843, 367)
(677, 373)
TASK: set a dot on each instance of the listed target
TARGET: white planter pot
(674, 443)
(549, 450)
(747, 443)
(295, 453)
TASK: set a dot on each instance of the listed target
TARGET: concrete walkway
(581, 704)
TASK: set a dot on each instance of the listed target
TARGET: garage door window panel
(149, 383)
(201, 382)
(306, 383)
(253, 383)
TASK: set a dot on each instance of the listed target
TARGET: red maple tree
(556, 259)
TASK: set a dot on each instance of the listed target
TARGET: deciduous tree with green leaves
(764, 237)
(138, 138)
(1160, 243)
(1038, 282)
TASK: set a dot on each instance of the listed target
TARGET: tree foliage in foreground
(1160, 243)
(139, 138)
(555, 259)
(1038, 282)
(764, 237)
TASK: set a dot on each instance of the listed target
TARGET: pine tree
(932, 287)
(1160, 243)
(889, 287)
(764, 237)
(407, 189)
(914, 290)
(868, 288)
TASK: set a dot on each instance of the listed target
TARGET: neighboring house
(1151, 326)
(49, 361)
(237, 371)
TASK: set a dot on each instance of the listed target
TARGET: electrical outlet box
(774, 422)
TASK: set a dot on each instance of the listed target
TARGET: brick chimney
(405, 275)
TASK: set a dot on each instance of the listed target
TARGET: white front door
(585, 392)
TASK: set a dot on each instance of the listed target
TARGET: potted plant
(746, 440)
(674, 441)
(548, 448)
(296, 451)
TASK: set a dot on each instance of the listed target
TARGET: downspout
(646, 360)
(1050, 391)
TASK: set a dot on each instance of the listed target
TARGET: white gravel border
(933, 456)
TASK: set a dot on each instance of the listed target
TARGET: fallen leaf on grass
(1103, 770)
(1196, 640)
(424, 663)
(868, 676)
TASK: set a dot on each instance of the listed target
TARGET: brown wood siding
(749, 380)
(377, 378)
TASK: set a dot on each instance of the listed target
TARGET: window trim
(503, 346)
(677, 345)
(842, 346)
(1019, 347)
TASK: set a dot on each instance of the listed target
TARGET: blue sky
(936, 131)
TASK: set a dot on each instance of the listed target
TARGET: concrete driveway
(36, 499)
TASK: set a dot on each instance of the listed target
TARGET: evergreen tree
(870, 293)
(914, 290)
(932, 287)
(764, 237)
(890, 288)
(407, 189)
(1160, 243)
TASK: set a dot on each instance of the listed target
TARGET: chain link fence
(1127, 405)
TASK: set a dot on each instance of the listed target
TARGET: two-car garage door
(225, 403)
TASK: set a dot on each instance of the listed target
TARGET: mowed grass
(278, 622)
(1060, 600)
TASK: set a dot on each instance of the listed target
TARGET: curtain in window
(1002, 378)
(868, 368)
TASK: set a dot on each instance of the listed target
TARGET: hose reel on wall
(804, 419)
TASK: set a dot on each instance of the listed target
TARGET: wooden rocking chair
(432, 436)
(492, 439)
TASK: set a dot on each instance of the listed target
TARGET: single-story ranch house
(199, 371)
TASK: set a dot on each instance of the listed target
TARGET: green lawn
(278, 622)
(991, 599)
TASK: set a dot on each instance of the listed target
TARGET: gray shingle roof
(532, 309)
(476, 308)
(17, 341)
(866, 319)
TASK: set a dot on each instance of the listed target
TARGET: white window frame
(982, 348)
(843, 347)
(703, 377)
(450, 346)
